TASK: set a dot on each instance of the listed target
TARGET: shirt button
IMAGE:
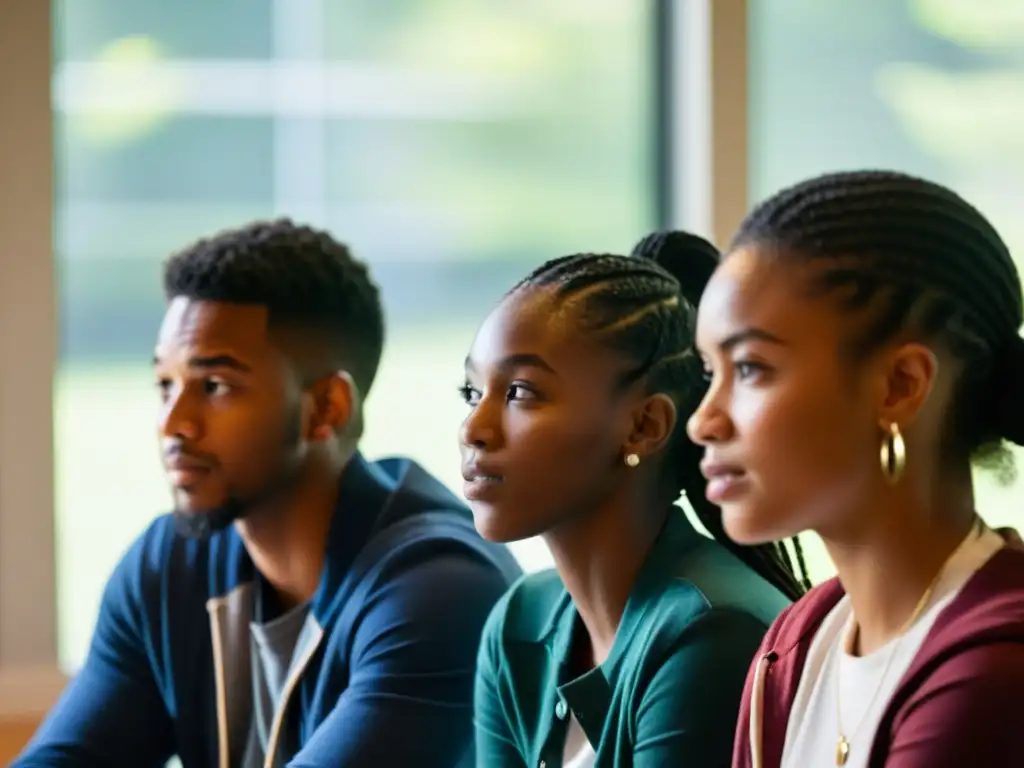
(561, 710)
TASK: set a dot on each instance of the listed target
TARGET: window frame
(29, 677)
(701, 161)
(703, 115)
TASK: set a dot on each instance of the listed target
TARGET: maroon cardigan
(961, 703)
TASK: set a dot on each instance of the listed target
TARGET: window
(454, 144)
(932, 87)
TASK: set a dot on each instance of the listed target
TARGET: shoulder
(697, 680)
(976, 677)
(963, 712)
(145, 561)
(992, 667)
(452, 577)
(955, 704)
(799, 621)
(136, 589)
(709, 641)
(528, 614)
(529, 610)
(162, 564)
(992, 600)
(988, 611)
(716, 595)
(446, 595)
(708, 578)
(979, 638)
(435, 547)
(421, 519)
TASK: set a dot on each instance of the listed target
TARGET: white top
(578, 751)
(813, 732)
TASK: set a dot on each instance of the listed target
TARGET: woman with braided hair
(634, 649)
(861, 340)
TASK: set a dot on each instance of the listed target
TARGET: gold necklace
(843, 745)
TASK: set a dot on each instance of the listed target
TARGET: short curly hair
(305, 278)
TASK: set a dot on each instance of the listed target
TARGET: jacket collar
(990, 603)
(363, 492)
(988, 609)
(676, 537)
(371, 496)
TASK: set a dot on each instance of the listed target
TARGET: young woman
(634, 651)
(861, 336)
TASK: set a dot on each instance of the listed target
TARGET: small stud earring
(632, 460)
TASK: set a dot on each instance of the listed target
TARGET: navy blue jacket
(385, 677)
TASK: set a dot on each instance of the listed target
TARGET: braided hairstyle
(918, 260)
(643, 307)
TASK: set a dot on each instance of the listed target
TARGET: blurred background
(454, 145)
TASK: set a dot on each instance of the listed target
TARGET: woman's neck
(598, 557)
(890, 562)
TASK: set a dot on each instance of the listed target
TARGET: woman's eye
(747, 370)
(470, 395)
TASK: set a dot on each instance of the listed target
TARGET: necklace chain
(843, 745)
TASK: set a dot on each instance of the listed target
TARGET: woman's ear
(653, 421)
(908, 378)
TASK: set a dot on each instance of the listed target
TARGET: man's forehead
(193, 322)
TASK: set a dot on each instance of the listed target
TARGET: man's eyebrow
(208, 362)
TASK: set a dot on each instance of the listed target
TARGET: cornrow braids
(916, 259)
(640, 308)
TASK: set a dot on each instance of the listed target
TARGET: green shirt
(669, 692)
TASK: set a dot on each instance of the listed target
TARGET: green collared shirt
(669, 692)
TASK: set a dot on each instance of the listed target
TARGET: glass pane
(931, 87)
(454, 144)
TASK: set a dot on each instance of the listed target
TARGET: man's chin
(201, 524)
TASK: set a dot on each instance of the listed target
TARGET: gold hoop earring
(632, 460)
(893, 455)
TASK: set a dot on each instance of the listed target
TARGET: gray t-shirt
(274, 647)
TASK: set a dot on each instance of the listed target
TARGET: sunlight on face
(539, 442)
(789, 443)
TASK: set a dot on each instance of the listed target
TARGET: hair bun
(1009, 391)
(689, 258)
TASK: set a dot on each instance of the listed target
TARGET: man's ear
(653, 422)
(334, 403)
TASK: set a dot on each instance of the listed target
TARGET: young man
(301, 606)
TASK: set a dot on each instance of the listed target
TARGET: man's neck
(287, 541)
